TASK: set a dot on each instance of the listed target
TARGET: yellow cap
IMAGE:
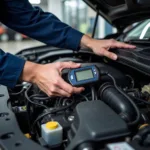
(28, 136)
(52, 125)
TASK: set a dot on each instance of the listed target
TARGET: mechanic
(21, 16)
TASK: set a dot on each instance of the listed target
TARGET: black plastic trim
(135, 59)
(11, 137)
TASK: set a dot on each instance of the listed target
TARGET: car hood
(121, 13)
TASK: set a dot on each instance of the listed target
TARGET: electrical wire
(88, 94)
(130, 90)
(93, 93)
(36, 95)
(125, 95)
(141, 100)
(40, 98)
(132, 81)
(13, 94)
(19, 85)
(84, 97)
(50, 112)
(32, 102)
(58, 104)
(96, 97)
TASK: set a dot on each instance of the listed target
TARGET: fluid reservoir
(52, 133)
(146, 88)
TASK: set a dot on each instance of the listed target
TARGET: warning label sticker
(120, 146)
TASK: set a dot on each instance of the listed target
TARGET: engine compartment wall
(10, 135)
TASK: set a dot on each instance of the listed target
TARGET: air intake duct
(118, 102)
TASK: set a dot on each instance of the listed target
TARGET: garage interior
(73, 12)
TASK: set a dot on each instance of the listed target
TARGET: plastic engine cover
(95, 121)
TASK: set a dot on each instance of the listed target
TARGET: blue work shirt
(21, 16)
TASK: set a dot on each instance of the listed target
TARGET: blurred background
(73, 12)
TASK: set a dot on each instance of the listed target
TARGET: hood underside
(121, 13)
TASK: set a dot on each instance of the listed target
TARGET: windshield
(141, 32)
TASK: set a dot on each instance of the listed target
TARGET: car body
(111, 114)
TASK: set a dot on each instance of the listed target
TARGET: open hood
(121, 13)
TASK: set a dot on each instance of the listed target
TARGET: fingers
(50, 81)
(109, 54)
(123, 45)
(57, 91)
(68, 88)
(116, 44)
(69, 65)
(78, 90)
(63, 88)
(60, 92)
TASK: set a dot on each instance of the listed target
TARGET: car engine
(115, 109)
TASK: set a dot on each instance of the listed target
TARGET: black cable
(40, 98)
(84, 97)
(130, 90)
(32, 102)
(132, 81)
(50, 112)
(13, 94)
(96, 97)
(88, 94)
(36, 95)
(58, 104)
(39, 95)
(19, 85)
(93, 93)
(125, 95)
(28, 116)
(139, 99)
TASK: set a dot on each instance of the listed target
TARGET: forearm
(29, 72)
(10, 69)
(86, 42)
(40, 25)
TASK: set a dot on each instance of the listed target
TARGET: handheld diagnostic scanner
(83, 76)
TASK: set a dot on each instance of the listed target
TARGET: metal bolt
(71, 118)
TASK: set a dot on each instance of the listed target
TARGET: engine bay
(115, 109)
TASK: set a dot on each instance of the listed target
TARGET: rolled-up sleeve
(43, 26)
(10, 69)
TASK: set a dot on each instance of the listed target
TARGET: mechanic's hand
(101, 47)
(48, 78)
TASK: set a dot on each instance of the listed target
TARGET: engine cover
(95, 122)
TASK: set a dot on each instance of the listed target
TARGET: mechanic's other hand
(48, 78)
(101, 47)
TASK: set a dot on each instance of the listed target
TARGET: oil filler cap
(52, 125)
